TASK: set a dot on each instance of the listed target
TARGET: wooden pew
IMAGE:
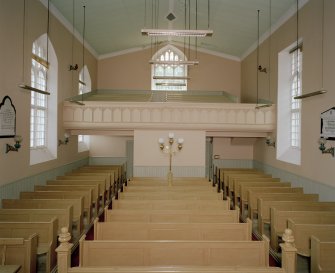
(263, 208)
(105, 185)
(171, 204)
(110, 176)
(63, 195)
(256, 186)
(224, 172)
(279, 221)
(288, 259)
(251, 191)
(235, 177)
(277, 194)
(171, 253)
(240, 182)
(171, 196)
(176, 269)
(172, 231)
(322, 254)
(115, 172)
(165, 188)
(92, 191)
(158, 181)
(47, 237)
(97, 186)
(64, 216)
(77, 204)
(174, 216)
(303, 230)
(20, 251)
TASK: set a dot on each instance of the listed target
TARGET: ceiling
(113, 26)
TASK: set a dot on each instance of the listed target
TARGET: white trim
(68, 26)
(282, 20)
(122, 52)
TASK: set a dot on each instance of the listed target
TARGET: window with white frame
(43, 108)
(290, 63)
(165, 76)
(84, 86)
(39, 102)
(296, 61)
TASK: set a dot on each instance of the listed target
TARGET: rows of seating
(275, 206)
(29, 226)
(151, 226)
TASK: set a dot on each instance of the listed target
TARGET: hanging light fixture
(177, 32)
(322, 90)
(157, 32)
(37, 58)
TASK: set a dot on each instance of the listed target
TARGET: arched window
(163, 74)
(43, 111)
(84, 86)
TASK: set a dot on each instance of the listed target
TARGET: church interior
(167, 136)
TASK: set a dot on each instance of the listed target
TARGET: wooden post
(64, 251)
(289, 252)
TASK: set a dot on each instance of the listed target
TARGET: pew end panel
(322, 255)
(20, 251)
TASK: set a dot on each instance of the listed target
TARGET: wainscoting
(161, 171)
(326, 193)
(12, 190)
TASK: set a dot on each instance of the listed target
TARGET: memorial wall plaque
(328, 124)
(7, 118)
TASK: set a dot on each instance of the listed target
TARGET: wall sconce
(65, 141)
(16, 146)
(270, 142)
(322, 147)
(170, 149)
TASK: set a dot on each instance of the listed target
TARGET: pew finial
(288, 237)
(64, 236)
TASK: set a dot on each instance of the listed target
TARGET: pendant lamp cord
(270, 33)
(23, 39)
(257, 83)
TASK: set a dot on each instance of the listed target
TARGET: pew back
(172, 231)
(64, 216)
(263, 208)
(20, 251)
(77, 204)
(171, 204)
(171, 253)
(47, 236)
(173, 216)
(277, 194)
(303, 232)
(279, 220)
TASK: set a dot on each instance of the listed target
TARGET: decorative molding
(227, 117)
(233, 163)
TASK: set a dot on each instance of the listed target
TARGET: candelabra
(170, 148)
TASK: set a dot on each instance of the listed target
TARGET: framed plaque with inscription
(328, 124)
(7, 118)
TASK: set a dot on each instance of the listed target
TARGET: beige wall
(147, 152)
(314, 165)
(227, 148)
(108, 146)
(15, 165)
(133, 72)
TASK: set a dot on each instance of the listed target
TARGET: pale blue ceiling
(114, 25)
